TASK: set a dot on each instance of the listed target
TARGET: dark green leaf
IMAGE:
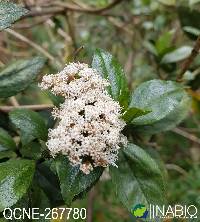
(177, 55)
(49, 183)
(167, 100)
(133, 113)
(19, 75)
(39, 200)
(9, 13)
(23, 203)
(109, 68)
(7, 154)
(138, 178)
(15, 178)
(189, 17)
(6, 141)
(57, 100)
(32, 150)
(30, 123)
(72, 181)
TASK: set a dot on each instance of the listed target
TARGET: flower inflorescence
(89, 128)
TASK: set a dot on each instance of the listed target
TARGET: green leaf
(189, 17)
(163, 44)
(6, 141)
(192, 2)
(30, 123)
(32, 150)
(15, 178)
(167, 100)
(171, 120)
(177, 55)
(72, 181)
(39, 200)
(19, 75)
(168, 2)
(23, 203)
(192, 30)
(9, 13)
(7, 154)
(150, 47)
(49, 183)
(138, 178)
(57, 100)
(132, 113)
(109, 68)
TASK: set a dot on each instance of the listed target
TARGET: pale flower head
(89, 128)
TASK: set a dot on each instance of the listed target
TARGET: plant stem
(189, 60)
(32, 107)
(33, 44)
(91, 197)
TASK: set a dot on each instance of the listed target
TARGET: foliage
(152, 44)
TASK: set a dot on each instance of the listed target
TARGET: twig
(39, 22)
(25, 4)
(88, 10)
(47, 11)
(176, 168)
(61, 7)
(190, 130)
(60, 31)
(91, 197)
(33, 44)
(14, 101)
(190, 59)
(32, 107)
(77, 52)
(186, 135)
(71, 29)
(120, 25)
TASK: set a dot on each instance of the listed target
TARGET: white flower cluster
(89, 128)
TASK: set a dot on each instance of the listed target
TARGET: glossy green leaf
(9, 13)
(48, 181)
(164, 99)
(30, 123)
(109, 68)
(177, 55)
(15, 178)
(138, 178)
(171, 120)
(40, 200)
(6, 141)
(132, 113)
(19, 75)
(31, 150)
(72, 181)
